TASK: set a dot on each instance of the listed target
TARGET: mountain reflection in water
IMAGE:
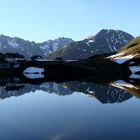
(112, 91)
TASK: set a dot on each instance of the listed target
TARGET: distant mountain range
(106, 41)
(28, 49)
(103, 42)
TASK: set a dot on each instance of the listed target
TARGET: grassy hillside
(134, 42)
(132, 48)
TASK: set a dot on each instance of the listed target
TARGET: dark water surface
(101, 112)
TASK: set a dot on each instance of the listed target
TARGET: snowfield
(118, 58)
(121, 60)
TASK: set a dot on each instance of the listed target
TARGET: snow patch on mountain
(13, 43)
(55, 46)
(119, 58)
(109, 45)
(43, 47)
(90, 41)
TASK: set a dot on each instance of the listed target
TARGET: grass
(133, 43)
(132, 48)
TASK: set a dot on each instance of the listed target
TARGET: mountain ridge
(105, 41)
(30, 48)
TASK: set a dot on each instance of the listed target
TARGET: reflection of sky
(48, 116)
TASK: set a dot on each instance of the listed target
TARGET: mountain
(51, 46)
(28, 49)
(106, 41)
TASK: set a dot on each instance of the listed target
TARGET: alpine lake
(71, 110)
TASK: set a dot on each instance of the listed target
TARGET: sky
(40, 20)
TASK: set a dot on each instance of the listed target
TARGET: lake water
(98, 112)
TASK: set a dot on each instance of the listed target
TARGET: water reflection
(43, 115)
(104, 90)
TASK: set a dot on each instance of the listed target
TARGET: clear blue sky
(40, 20)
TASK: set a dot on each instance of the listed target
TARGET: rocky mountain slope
(28, 49)
(106, 41)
